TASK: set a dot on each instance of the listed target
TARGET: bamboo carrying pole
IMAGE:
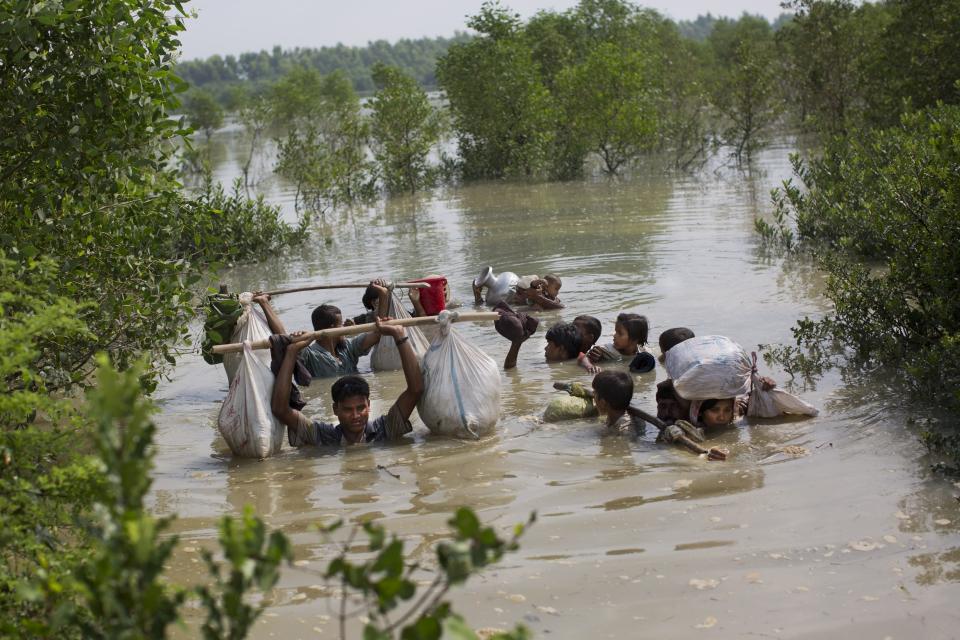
(348, 285)
(471, 316)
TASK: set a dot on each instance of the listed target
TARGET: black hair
(589, 324)
(370, 297)
(672, 337)
(324, 316)
(552, 278)
(349, 386)
(615, 388)
(636, 326)
(567, 335)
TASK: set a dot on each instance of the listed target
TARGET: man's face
(353, 413)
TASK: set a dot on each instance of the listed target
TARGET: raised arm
(542, 301)
(276, 326)
(511, 360)
(280, 400)
(418, 310)
(383, 297)
(407, 401)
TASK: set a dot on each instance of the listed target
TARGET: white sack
(385, 355)
(461, 394)
(769, 404)
(246, 421)
(709, 367)
(251, 325)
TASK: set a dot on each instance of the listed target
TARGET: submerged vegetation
(878, 208)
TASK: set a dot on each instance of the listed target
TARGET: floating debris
(864, 545)
(795, 450)
(701, 585)
(708, 622)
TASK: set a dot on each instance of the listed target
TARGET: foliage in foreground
(879, 213)
(385, 587)
(86, 179)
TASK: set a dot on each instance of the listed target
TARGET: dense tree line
(222, 75)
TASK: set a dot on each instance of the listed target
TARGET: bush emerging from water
(880, 212)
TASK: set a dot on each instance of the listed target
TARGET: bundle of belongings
(246, 420)
(385, 356)
(461, 394)
(709, 367)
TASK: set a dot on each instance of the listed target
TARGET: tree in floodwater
(610, 101)
(404, 127)
(916, 61)
(823, 51)
(502, 112)
(744, 83)
(255, 115)
(324, 149)
(878, 212)
(203, 112)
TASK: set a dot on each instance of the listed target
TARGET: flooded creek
(813, 528)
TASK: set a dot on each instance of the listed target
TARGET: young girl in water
(629, 337)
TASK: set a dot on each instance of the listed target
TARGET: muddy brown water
(856, 537)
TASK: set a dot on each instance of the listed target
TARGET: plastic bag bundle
(385, 355)
(775, 402)
(461, 394)
(251, 325)
(709, 367)
(246, 421)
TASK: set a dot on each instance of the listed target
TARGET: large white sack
(775, 402)
(385, 355)
(709, 367)
(461, 394)
(251, 325)
(246, 421)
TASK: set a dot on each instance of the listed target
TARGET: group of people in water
(609, 396)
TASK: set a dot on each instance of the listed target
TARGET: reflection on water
(798, 521)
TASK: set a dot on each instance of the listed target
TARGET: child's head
(716, 413)
(551, 285)
(590, 331)
(630, 332)
(370, 298)
(671, 338)
(563, 342)
(326, 316)
(612, 391)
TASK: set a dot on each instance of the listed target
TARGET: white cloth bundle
(251, 325)
(709, 367)
(246, 420)
(461, 386)
(775, 402)
(385, 355)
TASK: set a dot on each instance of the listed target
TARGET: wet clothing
(628, 423)
(322, 364)
(390, 426)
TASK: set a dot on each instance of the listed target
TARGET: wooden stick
(471, 316)
(348, 285)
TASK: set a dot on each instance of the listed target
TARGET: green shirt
(322, 364)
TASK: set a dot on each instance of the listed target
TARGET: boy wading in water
(351, 402)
